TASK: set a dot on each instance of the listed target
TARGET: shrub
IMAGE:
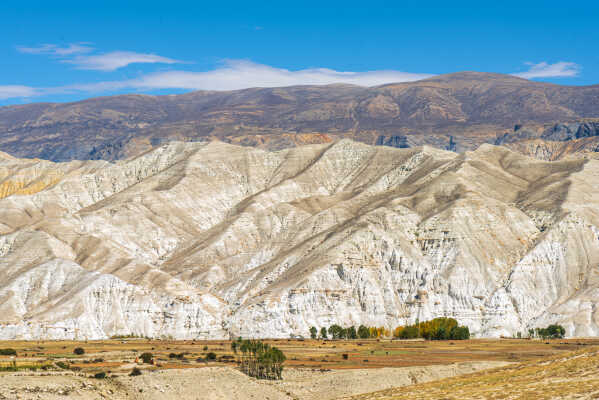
(172, 355)
(345, 356)
(205, 348)
(211, 356)
(79, 351)
(62, 364)
(8, 352)
(147, 357)
(100, 375)
(135, 372)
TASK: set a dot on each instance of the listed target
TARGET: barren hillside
(211, 240)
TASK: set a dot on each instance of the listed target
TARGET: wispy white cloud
(55, 50)
(117, 59)
(78, 55)
(232, 75)
(15, 91)
(240, 74)
(560, 69)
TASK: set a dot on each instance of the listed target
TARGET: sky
(63, 51)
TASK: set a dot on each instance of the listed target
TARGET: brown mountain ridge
(457, 111)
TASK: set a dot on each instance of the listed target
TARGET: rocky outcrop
(208, 240)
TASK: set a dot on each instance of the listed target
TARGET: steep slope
(457, 111)
(210, 239)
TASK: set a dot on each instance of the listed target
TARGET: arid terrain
(455, 112)
(212, 240)
(314, 369)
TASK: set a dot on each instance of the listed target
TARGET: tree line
(436, 329)
(441, 328)
(551, 332)
(258, 359)
(338, 332)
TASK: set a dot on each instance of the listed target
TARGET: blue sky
(65, 51)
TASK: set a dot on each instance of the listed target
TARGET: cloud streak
(78, 55)
(560, 69)
(14, 91)
(231, 75)
(117, 59)
(54, 50)
(240, 74)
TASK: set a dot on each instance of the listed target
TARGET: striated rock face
(197, 240)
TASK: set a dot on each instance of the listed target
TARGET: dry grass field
(568, 376)
(314, 370)
(315, 354)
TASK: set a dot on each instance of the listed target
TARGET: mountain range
(456, 112)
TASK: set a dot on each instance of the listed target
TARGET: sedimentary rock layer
(196, 240)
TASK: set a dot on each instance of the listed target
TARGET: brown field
(314, 370)
(570, 375)
(315, 354)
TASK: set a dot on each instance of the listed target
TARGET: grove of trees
(258, 359)
(338, 332)
(551, 332)
(436, 329)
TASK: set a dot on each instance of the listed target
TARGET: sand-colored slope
(210, 240)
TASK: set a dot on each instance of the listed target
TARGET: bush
(98, 360)
(135, 372)
(8, 352)
(205, 348)
(79, 351)
(172, 355)
(100, 375)
(147, 357)
(211, 356)
(62, 364)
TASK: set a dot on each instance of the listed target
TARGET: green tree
(335, 331)
(323, 333)
(363, 332)
(313, 332)
(351, 333)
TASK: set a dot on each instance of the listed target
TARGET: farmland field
(314, 369)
